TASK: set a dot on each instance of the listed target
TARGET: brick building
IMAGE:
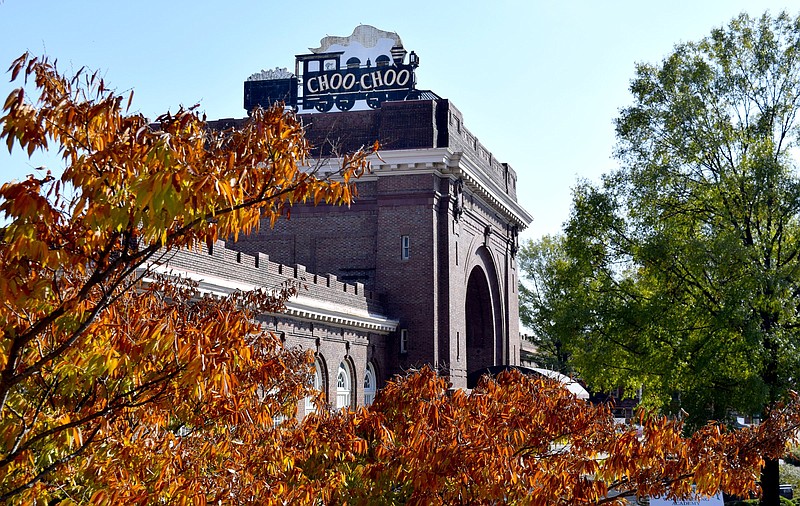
(421, 269)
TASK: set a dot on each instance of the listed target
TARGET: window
(404, 341)
(318, 384)
(370, 385)
(382, 61)
(263, 395)
(343, 386)
(353, 63)
(405, 247)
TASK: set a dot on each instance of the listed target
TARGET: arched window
(318, 383)
(344, 386)
(370, 385)
(353, 63)
(382, 61)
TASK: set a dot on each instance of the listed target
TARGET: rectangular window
(404, 341)
(405, 247)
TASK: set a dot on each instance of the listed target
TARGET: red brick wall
(427, 292)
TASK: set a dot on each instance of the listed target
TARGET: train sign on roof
(356, 72)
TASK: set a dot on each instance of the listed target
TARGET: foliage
(687, 259)
(120, 386)
(790, 474)
(117, 385)
(792, 456)
(754, 502)
(517, 440)
(748, 502)
(544, 307)
(691, 249)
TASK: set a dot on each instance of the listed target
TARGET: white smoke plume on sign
(365, 35)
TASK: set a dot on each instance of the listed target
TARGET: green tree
(688, 256)
(118, 386)
(544, 308)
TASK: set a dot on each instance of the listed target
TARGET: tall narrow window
(405, 247)
(404, 341)
(317, 381)
(370, 385)
(343, 386)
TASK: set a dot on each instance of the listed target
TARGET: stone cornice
(462, 165)
(301, 306)
(443, 161)
(308, 308)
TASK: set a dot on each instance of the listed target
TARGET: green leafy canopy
(684, 264)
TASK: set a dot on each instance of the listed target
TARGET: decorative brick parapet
(321, 296)
(399, 125)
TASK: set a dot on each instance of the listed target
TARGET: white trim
(439, 161)
(300, 306)
(461, 164)
(309, 308)
(370, 384)
(570, 384)
(344, 386)
(317, 383)
(405, 247)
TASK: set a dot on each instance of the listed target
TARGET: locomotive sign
(355, 81)
(344, 87)
(362, 70)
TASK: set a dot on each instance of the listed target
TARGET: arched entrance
(480, 322)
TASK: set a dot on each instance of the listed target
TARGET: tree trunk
(770, 473)
(770, 483)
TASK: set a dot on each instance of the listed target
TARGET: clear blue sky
(539, 82)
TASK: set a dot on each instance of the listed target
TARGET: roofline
(443, 161)
(299, 306)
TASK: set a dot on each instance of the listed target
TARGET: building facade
(421, 269)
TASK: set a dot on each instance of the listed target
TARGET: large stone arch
(483, 309)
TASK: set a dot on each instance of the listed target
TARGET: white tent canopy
(571, 385)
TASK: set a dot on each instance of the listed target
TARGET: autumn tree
(517, 440)
(116, 385)
(121, 386)
(687, 259)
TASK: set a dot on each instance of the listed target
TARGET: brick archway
(483, 314)
(479, 321)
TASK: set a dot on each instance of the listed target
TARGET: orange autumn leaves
(517, 440)
(110, 373)
(122, 386)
